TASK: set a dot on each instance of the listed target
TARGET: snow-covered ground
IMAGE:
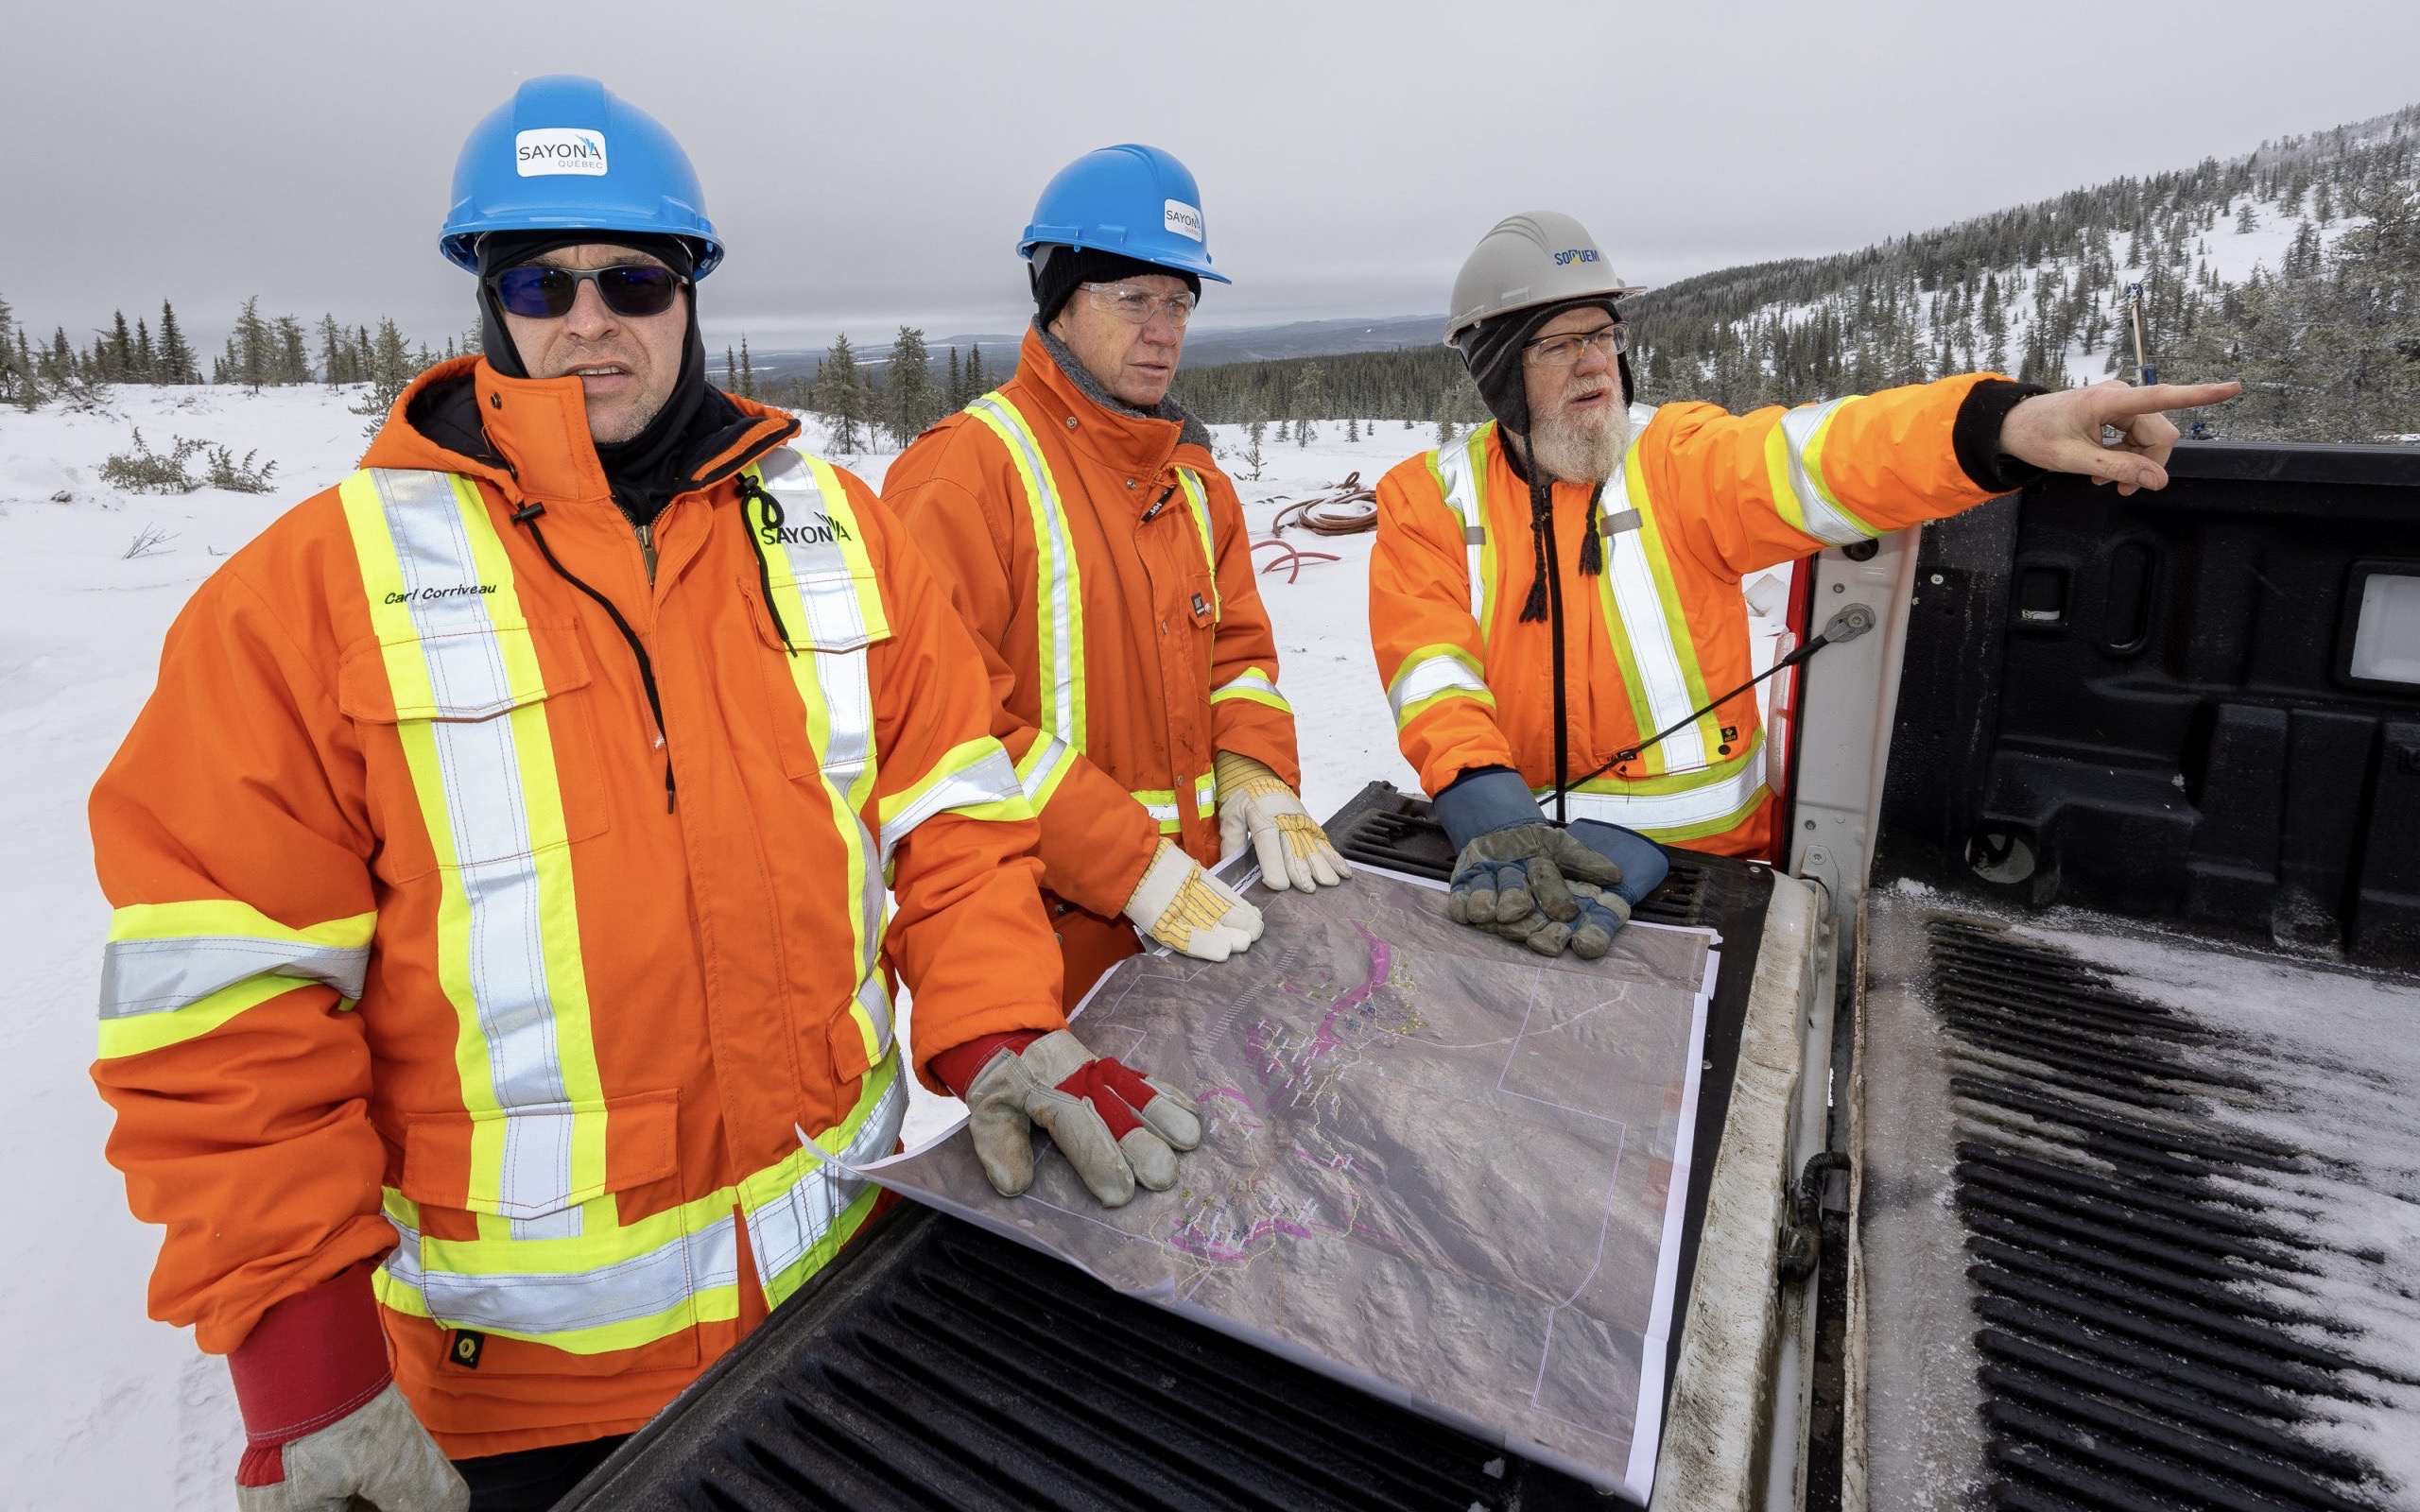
(105, 1408)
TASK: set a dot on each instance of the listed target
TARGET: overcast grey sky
(872, 164)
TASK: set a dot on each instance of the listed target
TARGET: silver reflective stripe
(542, 1302)
(162, 975)
(1163, 813)
(876, 1000)
(1462, 496)
(1641, 607)
(784, 1229)
(991, 780)
(1824, 521)
(1429, 677)
(1717, 799)
(489, 818)
(1043, 761)
(1063, 720)
(835, 617)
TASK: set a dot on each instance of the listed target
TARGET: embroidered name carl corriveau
(430, 596)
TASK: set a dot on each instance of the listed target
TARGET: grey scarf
(1193, 430)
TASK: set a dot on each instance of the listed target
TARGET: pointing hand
(2062, 431)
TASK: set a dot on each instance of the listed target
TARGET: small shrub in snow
(149, 541)
(238, 477)
(141, 470)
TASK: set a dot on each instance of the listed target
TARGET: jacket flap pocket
(476, 673)
(526, 1162)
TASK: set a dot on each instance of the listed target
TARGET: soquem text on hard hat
(1182, 218)
(1575, 254)
(431, 595)
(822, 533)
(558, 149)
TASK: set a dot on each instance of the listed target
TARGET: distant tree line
(262, 351)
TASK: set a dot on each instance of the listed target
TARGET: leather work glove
(1511, 863)
(1190, 911)
(1589, 935)
(326, 1427)
(1255, 803)
(1119, 1129)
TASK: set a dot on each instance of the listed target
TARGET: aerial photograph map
(1434, 1163)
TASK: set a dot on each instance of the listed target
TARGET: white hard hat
(1530, 260)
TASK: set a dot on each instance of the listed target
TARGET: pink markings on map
(1270, 1051)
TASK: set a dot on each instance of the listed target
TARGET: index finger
(2167, 396)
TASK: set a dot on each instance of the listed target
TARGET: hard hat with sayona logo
(565, 153)
(1534, 259)
(1130, 199)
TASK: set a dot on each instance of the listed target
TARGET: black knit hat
(1492, 350)
(1058, 269)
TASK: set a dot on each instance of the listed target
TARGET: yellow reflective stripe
(1253, 684)
(1794, 464)
(834, 686)
(1200, 501)
(1160, 802)
(611, 1286)
(1059, 604)
(802, 1209)
(1680, 806)
(1432, 674)
(1206, 796)
(1649, 541)
(141, 1032)
(1460, 476)
(225, 915)
(508, 953)
(1650, 639)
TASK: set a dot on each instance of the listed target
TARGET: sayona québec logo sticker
(558, 149)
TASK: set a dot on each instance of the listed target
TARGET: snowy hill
(2039, 291)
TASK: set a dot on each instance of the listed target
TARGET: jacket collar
(1123, 440)
(536, 436)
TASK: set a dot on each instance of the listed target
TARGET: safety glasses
(1136, 305)
(544, 293)
(1563, 352)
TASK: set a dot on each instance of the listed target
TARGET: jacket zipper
(646, 550)
(528, 515)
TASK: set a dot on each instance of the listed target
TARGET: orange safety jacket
(1701, 498)
(1102, 560)
(432, 943)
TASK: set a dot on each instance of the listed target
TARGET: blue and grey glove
(1513, 870)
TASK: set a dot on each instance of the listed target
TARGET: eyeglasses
(1137, 305)
(543, 293)
(1563, 352)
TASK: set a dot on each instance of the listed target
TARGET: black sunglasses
(543, 293)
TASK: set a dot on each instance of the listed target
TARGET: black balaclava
(649, 469)
(1492, 350)
(1057, 270)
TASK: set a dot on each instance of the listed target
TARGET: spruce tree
(957, 394)
(146, 357)
(332, 353)
(907, 387)
(747, 370)
(118, 356)
(978, 383)
(293, 355)
(730, 369)
(840, 397)
(1310, 403)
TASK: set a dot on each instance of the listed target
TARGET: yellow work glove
(1190, 911)
(1255, 803)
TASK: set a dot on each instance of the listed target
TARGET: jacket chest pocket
(817, 688)
(487, 734)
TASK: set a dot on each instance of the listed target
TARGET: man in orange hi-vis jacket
(1077, 521)
(495, 1005)
(1556, 592)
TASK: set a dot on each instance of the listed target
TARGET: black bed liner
(938, 1366)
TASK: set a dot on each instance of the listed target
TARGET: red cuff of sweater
(958, 1066)
(312, 1359)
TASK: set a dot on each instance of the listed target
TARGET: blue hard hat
(1129, 198)
(568, 154)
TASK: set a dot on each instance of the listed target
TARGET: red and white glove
(323, 1421)
(1118, 1129)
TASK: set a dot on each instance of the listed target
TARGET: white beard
(1583, 451)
